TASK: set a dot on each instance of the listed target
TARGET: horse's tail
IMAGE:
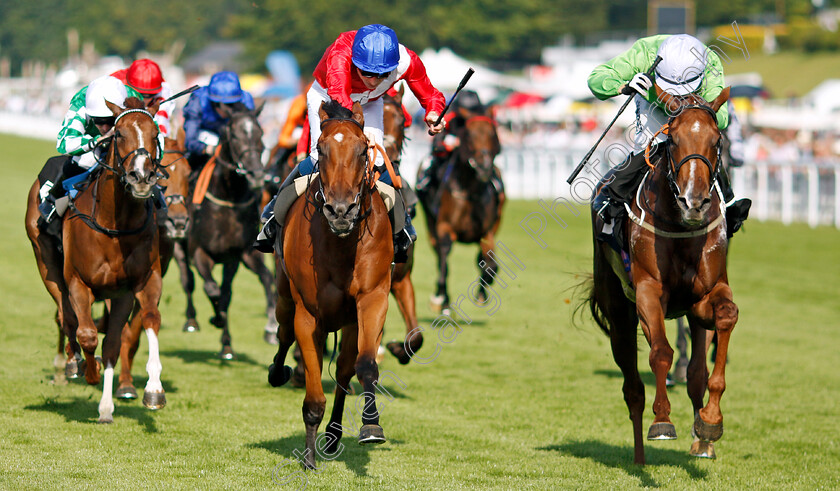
(595, 287)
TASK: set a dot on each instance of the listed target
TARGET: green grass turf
(520, 399)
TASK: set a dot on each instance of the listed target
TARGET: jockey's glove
(640, 83)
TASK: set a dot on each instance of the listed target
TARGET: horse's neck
(226, 182)
(113, 205)
(656, 196)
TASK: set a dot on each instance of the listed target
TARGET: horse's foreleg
(254, 260)
(652, 318)
(228, 272)
(718, 307)
(81, 300)
(130, 341)
(445, 240)
(345, 370)
(403, 291)
(370, 310)
(697, 375)
(69, 327)
(187, 284)
(204, 265)
(486, 265)
(118, 313)
(311, 341)
(148, 298)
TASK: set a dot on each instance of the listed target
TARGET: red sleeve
(334, 70)
(430, 98)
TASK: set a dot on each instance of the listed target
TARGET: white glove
(208, 138)
(640, 83)
(370, 134)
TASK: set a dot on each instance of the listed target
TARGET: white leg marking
(153, 366)
(106, 404)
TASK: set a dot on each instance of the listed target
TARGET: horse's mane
(238, 107)
(334, 109)
(134, 103)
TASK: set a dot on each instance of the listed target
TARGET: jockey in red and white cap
(145, 77)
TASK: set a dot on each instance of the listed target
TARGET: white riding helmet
(683, 64)
(102, 89)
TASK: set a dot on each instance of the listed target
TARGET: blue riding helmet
(376, 49)
(224, 87)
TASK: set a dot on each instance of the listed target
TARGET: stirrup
(47, 209)
(265, 239)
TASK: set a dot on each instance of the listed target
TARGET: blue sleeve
(192, 124)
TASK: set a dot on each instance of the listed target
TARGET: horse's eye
(117, 134)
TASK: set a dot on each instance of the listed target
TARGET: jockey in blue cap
(360, 66)
(204, 118)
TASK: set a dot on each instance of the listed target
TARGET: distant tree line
(503, 32)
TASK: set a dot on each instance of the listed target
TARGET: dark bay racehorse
(677, 246)
(224, 226)
(172, 234)
(111, 251)
(401, 286)
(466, 207)
(336, 274)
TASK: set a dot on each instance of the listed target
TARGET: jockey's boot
(270, 229)
(403, 240)
(53, 197)
(610, 200)
(736, 211)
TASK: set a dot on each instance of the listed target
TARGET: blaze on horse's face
(244, 136)
(694, 152)
(342, 150)
(136, 146)
(479, 146)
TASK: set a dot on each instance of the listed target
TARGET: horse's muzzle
(341, 217)
(693, 209)
(176, 226)
(141, 184)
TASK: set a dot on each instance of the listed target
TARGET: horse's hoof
(270, 337)
(226, 353)
(669, 382)
(72, 369)
(446, 311)
(279, 377)
(703, 450)
(191, 326)
(128, 392)
(371, 435)
(106, 420)
(398, 350)
(662, 431)
(436, 303)
(154, 400)
(706, 431)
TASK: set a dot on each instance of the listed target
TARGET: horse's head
(177, 189)
(479, 146)
(243, 136)
(343, 159)
(693, 152)
(135, 152)
(393, 120)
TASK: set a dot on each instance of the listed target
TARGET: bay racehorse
(394, 123)
(335, 274)
(467, 206)
(676, 233)
(111, 251)
(225, 223)
(172, 231)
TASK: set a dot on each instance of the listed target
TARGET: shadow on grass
(329, 386)
(210, 357)
(86, 410)
(292, 448)
(427, 320)
(621, 457)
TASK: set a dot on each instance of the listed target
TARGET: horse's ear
(358, 114)
(671, 103)
(400, 94)
(322, 113)
(259, 109)
(115, 109)
(153, 109)
(720, 100)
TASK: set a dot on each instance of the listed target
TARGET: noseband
(237, 156)
(119, 169)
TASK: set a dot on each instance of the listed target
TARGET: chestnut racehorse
(402, 288)
(111, 251)
(172, 235)
(336, 274)
(466, 207)
(676, 231)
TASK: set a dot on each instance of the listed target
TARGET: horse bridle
(119, 169)
(674, 168)
(238, 157)
(366, 180)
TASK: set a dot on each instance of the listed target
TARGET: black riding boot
(49, 208)
(736, 211)
(268, 234)
(609, 202)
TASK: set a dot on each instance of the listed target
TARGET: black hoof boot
(278, 376)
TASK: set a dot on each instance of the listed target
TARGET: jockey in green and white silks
(687, 67)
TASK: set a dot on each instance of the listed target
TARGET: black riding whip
(461, 85)
(182, 93)
(623, 107)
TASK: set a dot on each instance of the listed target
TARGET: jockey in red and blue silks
(202, 119)
(360, 66)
